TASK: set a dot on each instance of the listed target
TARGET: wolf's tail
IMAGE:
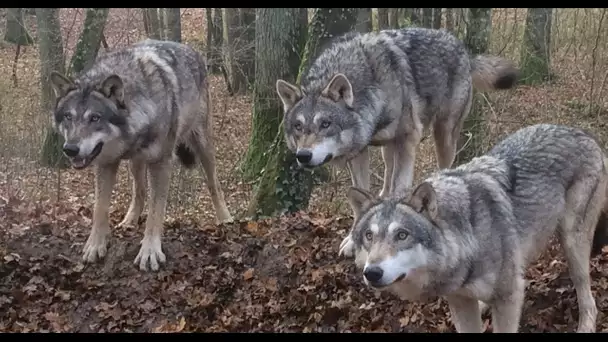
(185, 155)
(600, 236)
(493, 73)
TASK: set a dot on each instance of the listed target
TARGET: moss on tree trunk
(16, 32)
(477, 40)
(535, 47)
(89, 40)
(52, 59)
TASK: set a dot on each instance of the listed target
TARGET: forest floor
(280, 274)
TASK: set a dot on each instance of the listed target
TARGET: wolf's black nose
(71, 150)
(304, 156)
(373, 274)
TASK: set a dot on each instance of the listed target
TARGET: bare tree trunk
(427, 17)
(416, 16)
(535, 57)
(364, 20)
(383, 19)
(52, 59)
(246, 46)
(449, 19)
(236, 77)
(89, 40)
(283, 187)
(160, 12)
(214, 45)
(477, 39)
(173, 24)
(393, 18)
(16, 32)
(153, 28)
(436, 18)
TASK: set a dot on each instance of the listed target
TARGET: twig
(14, 75)
(104, 42)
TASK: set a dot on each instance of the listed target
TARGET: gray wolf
(385, 89)
(143, 103)
(468, 233)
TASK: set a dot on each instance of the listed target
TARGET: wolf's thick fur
(469, 233)
(384, 89)
(143, 103)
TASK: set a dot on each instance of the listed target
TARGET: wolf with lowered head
(384, 89)
(468, 234)
(143, 103)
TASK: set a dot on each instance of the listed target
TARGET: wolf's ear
(357, 198)
(61, 84)
(339, 88)
(113, 88)
(289, 94)
(424, 200)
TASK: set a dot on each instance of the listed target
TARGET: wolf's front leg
(507, 307)
(465, 314)
(138, 197)
(359, 173)
(96, 245)
(151, 251)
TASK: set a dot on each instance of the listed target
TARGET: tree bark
(173, 24)
(214, 39)
(89, 40)
(535, 59)
(283, 187)
(153, 30)
(52, 58)
(383, 19)
(437, 18)
(449, 19)
(236, 77)
(16, 32)
(162, 30)
(477, 39)
(427, 17)
(246, 46)
(393, 18)
(364, 20)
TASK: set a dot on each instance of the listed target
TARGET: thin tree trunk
(416, 16)
(16, 32)
(449, 19)
(383, 19)
(52, 59)
(246, 46)
(89, 40)
(161, 23)
(215, 45)
(472, 137)
(535, 59)
(364, 20)
(153, 30)
(427, 17)
(173, 24)
(283, 187)
(236, 77)
(436, 18)
(393, 18)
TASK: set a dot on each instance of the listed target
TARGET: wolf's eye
(402, 235)
(67, 116)
(368, 235)
(95, 117)
(325, 124)
(297, 126)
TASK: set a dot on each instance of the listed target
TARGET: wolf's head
(394, 239)
(88, 116)
(319, 127)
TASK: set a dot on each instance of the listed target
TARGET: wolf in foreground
(142, 103)
(469, 233)
(384, 89)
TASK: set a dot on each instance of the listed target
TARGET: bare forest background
(562, 55)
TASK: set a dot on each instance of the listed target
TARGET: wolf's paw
(95, 248)
(130, 220)
(150, 251)
(347, 247)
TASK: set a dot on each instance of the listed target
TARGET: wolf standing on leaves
(384, 89)
(469, 233)
(143, 103)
